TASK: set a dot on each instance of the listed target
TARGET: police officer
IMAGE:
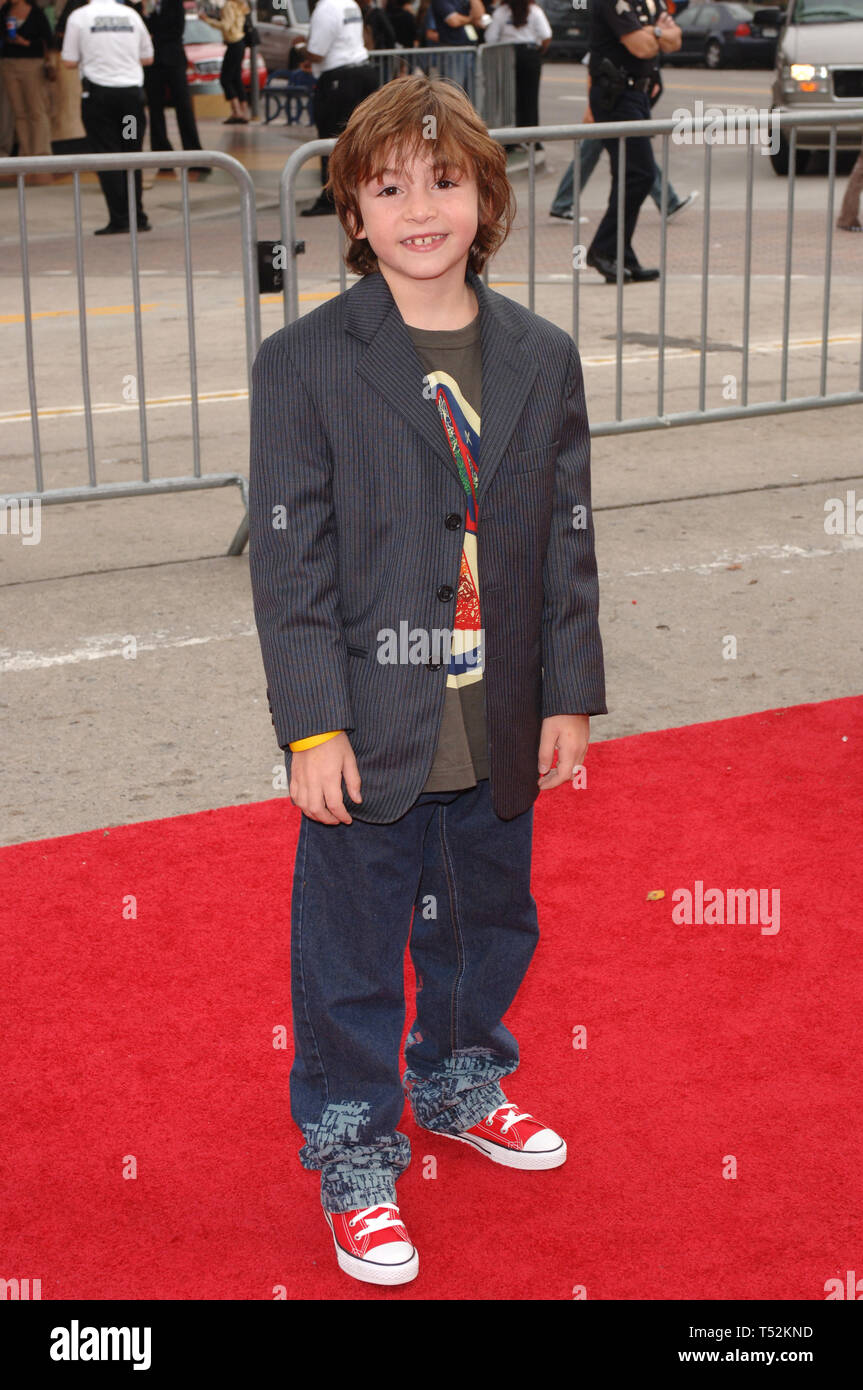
(166, 21)
(112, 46)
(626, 37)
(345, 76)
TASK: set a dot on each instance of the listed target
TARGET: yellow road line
(217, 397)
(112, 408)
(705, 90)
(316, 295)
(73, 313)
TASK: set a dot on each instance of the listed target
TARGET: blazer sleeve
(293, 553)
(573, 679)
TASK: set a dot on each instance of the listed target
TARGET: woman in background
(523, 23)
(401, 16)
(25, 35)
(232, 25)
(428, 35)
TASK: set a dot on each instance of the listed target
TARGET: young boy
(418, 732)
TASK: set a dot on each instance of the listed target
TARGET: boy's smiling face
(419, 227)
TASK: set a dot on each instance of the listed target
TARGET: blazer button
(453, 522)
(445, 593)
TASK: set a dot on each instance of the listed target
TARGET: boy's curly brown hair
(390, 127)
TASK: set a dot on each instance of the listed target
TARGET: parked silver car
(279, 23)
(819, 67)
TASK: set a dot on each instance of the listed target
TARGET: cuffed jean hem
(362, 1176)
(459, 1096)
(562, 201)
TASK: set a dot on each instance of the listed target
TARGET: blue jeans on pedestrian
(588, 154)
(460, 67)
(465, 873)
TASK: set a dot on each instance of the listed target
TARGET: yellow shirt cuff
(310, 742)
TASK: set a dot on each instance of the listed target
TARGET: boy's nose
(418, 207)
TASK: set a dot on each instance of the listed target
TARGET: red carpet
(152, 1037)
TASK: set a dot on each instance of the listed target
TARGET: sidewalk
(702, 531)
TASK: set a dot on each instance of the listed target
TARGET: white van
(819, 67)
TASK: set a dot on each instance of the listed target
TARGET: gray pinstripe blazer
(344, 441)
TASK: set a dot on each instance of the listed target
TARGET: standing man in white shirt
(345, 76)
(111, 44)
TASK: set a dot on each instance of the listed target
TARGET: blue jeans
(466, 873)
(588, 154)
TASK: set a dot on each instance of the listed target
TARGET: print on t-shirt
(462, 427)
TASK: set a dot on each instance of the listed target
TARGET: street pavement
(703, 532)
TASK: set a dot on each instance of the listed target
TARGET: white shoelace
(510, 1119)
(376, 1223)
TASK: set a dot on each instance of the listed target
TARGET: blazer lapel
(390, 365)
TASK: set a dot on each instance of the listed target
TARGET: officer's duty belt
(610, 75)
(640, 84)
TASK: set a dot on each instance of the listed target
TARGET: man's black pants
(528, 70)
(640, 173)
(336, 94)
(172, 76)
(115, 119)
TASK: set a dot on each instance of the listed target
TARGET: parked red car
(204, 53)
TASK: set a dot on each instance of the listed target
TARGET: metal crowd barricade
(485, 71)
(183, 160)
(622, 130)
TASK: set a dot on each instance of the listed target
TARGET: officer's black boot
(638, 271)
(607, 267)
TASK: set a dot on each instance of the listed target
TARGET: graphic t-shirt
(452, 362)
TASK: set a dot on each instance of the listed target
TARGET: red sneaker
(372, 1244)
(512, 1137)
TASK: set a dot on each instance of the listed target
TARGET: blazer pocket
(526, 460)
(357, 651)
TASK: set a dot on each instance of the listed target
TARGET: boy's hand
(570, 735)
(316, 780)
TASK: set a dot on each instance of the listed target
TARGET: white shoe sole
(512, 1158)
(374, 1273)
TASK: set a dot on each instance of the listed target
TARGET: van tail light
(742, 31)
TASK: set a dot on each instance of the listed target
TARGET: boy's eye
(391, 186)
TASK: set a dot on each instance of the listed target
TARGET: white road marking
(114, 644)
(761, 552)
(109, 645)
